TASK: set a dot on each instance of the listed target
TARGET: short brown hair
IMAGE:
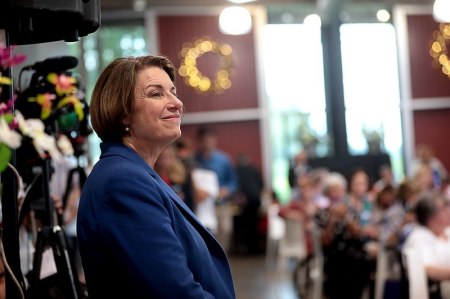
(113, 93)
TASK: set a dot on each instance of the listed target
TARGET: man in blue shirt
(209, 157)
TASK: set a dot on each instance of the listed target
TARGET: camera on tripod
(54, 95)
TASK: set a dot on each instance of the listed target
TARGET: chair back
(275, 232)
(317, 269)
(417, 278)
(293, 244)
(275, 224)
(381, 272)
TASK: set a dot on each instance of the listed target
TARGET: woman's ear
(126, 121)
(126, 124)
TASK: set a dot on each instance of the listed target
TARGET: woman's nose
(176, 103)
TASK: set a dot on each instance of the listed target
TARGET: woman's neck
(147, 152)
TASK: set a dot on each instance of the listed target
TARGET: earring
(127, 129)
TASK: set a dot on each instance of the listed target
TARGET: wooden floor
(253, 280)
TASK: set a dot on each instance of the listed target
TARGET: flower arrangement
(306, 135)
(15, 127)
(374, 139)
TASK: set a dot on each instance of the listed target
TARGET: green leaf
(5, 156)
(8, 117)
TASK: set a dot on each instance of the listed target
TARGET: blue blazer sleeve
(129, 226)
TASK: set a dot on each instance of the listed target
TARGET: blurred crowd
(358, 217)
(357, 214)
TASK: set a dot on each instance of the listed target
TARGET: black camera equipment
(59, 119)
(28, 22)
(53, 275)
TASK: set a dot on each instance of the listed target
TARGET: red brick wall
(427, 82)
(234, 137)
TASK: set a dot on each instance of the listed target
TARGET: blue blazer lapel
(120, 149)
(191, 218)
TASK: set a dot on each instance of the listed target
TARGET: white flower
(64, 145)
(9, 137)
(33, 128)
(42, 142)
(21, 123)
(46, 143)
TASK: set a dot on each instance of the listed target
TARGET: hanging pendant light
(235, 20)
(441, 11)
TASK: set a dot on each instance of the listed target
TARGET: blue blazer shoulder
(139, 240)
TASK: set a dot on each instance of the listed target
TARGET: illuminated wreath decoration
(192, 75)
(439, 50)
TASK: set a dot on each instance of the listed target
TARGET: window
(371, 91)
(293, 67)
(101, 48)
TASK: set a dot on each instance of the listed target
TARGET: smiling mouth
(172, 117)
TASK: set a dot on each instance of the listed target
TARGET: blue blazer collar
(119, 149)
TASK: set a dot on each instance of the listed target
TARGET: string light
(439, 50)
(192, 75)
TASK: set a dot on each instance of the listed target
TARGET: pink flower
(8, 60)
(63, 84)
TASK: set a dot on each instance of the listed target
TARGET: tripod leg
(65, 262)
(40, 247)
(53, 274)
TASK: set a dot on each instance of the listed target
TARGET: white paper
(206, 180)
(48, 265)
(206, 210)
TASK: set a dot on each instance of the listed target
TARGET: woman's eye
(155, 94)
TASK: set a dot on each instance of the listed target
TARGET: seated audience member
(388, 217)
(345, 234)
(423, 179)
(319, 177)
(407, 194)
(333, 220)
(297, 168)
(425, 156)
(335, 187)
(303, 208)
(360, 203)
(335, 191)
(407, 197)
(429, 238)
(388, 213)
(386, 178)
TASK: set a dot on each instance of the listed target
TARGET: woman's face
(156, 111)
(336, 192)
(359, 184)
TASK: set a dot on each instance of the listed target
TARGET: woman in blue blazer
(137, 238)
